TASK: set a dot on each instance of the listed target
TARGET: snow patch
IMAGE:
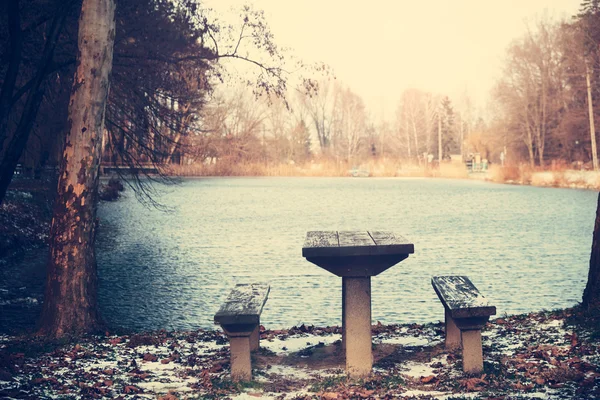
(417, 370)
(296, 343)
(403, 341)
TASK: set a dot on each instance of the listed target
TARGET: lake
(526, 248)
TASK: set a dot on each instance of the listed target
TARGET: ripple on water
(525, 248)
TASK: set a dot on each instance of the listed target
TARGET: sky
(380, 48)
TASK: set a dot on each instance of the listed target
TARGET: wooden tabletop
(354, 243)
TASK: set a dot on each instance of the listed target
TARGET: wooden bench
(239, 316)
(467, 311)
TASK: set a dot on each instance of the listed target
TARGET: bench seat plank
(461, 298)
(243, 305)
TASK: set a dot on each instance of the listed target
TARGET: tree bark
(591, 118)
(591, 294)
(70, 303)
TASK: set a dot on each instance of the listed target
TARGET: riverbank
(539, 355)
(521, 174)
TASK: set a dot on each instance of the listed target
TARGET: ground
(25, 216)
(538, 355)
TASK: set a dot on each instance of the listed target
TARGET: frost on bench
(239, 316)
(466, 312)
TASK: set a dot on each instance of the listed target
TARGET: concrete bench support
(453, 338)
(466, 313)
(239, 316)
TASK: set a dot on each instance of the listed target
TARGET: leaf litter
(531, 356)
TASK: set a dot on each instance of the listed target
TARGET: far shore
(515, 174)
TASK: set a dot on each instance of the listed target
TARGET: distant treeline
(168, 104)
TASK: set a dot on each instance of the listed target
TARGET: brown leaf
(131, 389)
(329, 396)
(168, 397)
(428, 379)
(540, 380)
(574, 340)
(150, 357)
(217, 367)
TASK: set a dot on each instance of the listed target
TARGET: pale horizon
(381, 49)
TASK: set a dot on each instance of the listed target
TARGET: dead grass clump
(453, 170)
(562, 374)
(508, 173)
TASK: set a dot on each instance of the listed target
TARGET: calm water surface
(526, 248)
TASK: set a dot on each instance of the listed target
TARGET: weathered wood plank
(321, 243)
(387, 238)
(391, 243)
(243, 305)
(354, 243)
(461, 297)
(355, 239)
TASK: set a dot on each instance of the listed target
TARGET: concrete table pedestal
(356, 256)
(240, 346)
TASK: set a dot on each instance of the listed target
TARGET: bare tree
(317, 99)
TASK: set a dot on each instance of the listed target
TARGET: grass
(328, 383)
(588, 320)
(321, 168)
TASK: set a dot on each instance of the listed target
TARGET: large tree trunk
(70, 303)
(591, 118)
(591, 294)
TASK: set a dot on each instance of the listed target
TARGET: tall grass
(556, 176)
(523, 174)
(331, 168)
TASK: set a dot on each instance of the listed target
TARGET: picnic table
(356, 256)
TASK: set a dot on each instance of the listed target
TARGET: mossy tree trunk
(70, 303)
(591, 295)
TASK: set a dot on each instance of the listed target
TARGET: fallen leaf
(131, 389)
(540, 380)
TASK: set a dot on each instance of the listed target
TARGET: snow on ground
(525, 357)
(416, 370)
(294, 343)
